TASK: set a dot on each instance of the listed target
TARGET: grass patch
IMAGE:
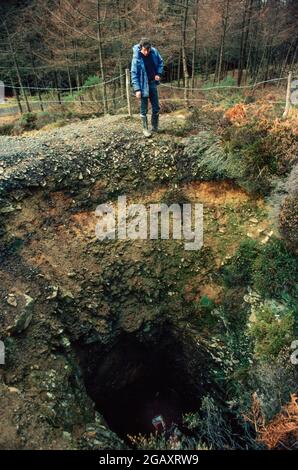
(275, 271)
(239, 270)
(271, 331)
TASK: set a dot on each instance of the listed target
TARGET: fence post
(127, 79)
(288, 98)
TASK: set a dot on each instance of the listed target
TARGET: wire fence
(82, 87)
(125, 98)
(216, 87)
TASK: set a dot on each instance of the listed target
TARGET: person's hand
(157, 77)
(138, 94)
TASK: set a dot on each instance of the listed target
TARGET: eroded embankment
(102, 336)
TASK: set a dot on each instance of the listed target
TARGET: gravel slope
(75, 150)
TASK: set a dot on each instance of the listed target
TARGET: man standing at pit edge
(146, 69)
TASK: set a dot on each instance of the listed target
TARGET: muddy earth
(101, 336)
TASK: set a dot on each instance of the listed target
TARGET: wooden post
(288, 98)
(127, 77)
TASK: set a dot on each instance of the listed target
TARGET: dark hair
(145, 42)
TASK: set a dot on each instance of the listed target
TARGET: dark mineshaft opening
(133, 383)
(131, 409)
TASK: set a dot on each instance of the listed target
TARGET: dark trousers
(153, 97)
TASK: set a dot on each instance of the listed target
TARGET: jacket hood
(137, 50)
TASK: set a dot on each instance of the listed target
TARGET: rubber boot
(154, 122)
(146, 131)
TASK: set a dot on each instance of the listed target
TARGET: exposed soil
(102, 336)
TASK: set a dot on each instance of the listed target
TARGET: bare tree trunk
(194, 50)
(102, 72)
(183, 47)
(35, 79)
(121, 81)
(13, 53)
(56, 81)
(216, 67)
(249, 61)
(223, 39)
(77, 71)
(244, 38)
(255, 44)
(178, 69)
(68, 70)
(206, 65)
(284, 64)
(15, 93)
(270, 47)
(171, 73)
(294, 58)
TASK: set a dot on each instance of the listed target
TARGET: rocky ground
(83, 319)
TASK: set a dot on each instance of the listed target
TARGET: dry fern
(282, 431)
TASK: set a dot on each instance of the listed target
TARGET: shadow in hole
(132, 383)
(131, 410)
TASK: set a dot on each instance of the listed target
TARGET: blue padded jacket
(139, 77)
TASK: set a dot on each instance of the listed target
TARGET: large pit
(133, 382)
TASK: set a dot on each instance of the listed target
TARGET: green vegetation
(250, 154)
(28, 121)
(88, 88)
(272, 330)
(204, 157)
(271, 269)
(275, 271)
(227, 81)
(6, 129)
(250, 159)
(206, 303)
(239, 270)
